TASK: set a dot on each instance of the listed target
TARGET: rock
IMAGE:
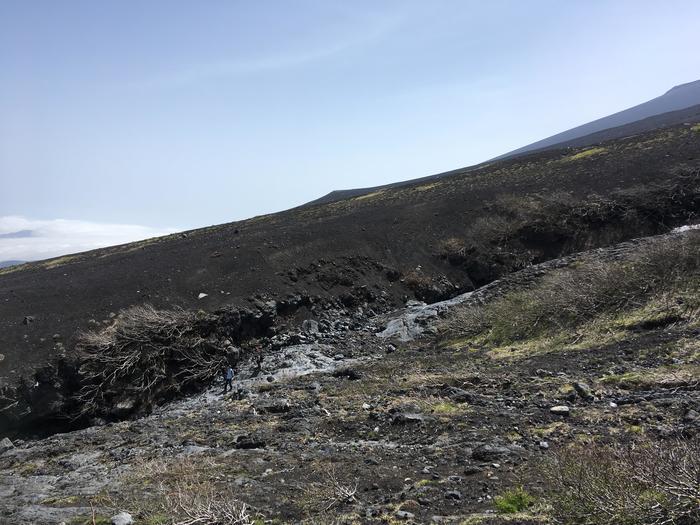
(489, 453)
(583, 390)
(309, 326)
(6, 445)
(691, 416)
(544, 445)
(347, 373)
(202, 295)
(560, 410)
(2, 357)
(459, 395)
(123, 518)
(453, 494)
(28, 319)
(272, 406)
(470, 470)
(404, 515)
(407, 419)
(247, 442)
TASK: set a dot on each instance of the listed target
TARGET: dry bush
(147, 353)
(643, 483)
(322, 496)
(185, 493)
(205, 507)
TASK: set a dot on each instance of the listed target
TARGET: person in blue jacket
(228, 379)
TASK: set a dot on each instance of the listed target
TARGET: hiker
(228, 379)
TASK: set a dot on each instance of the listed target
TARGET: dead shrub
(640, 483)
(185, 492)
(146, 354)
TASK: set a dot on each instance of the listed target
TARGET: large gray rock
(123, 518)
(5, 445)
(492, 452)
(309, 326)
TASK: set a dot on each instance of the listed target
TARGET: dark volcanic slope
(310, 250)
(680, 97)
(672, 118)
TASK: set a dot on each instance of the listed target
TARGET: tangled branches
(651, 483)
(145, 355)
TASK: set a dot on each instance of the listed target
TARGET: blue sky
(173, 114)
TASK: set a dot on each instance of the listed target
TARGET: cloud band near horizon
(27, 239)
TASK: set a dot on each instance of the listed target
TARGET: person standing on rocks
(228, 379)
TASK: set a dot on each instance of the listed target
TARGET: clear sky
(177, 114)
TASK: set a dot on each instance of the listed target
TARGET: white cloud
(60, 236)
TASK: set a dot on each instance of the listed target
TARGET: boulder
(272, 406)
(6, 445)
(583, 390)
(404, 418)
(491, 452)
(123, 518)
(560, 410)
(309, 326)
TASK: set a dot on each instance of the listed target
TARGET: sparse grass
(658, 283)
(368, 196)
(514, 500)
(664, 376)
(590, 152)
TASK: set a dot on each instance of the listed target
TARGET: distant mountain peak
(694, 85)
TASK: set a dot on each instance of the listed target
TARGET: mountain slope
(428, 240)
(677, 98)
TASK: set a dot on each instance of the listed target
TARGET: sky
(126, 119)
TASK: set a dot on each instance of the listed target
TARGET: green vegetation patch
(590, 152)
(512, 501)
(656, 285)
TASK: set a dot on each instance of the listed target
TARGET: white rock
(123, 518)
(202, 295)
(560, 410)
(5, 445)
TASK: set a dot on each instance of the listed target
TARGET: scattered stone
(5, 445)
(272, 406)
(560, 410)
(544, 445)
(366, 406)
(347, 373)
(247, 442)
(309, 326)
(123, 518)
(407, 419)
(489, 453)
(691, 416)
(453, 494)
(470, 470)
(583, 390)
(56, 337)
(404, 515)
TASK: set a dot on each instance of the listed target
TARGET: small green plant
(515, 500)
